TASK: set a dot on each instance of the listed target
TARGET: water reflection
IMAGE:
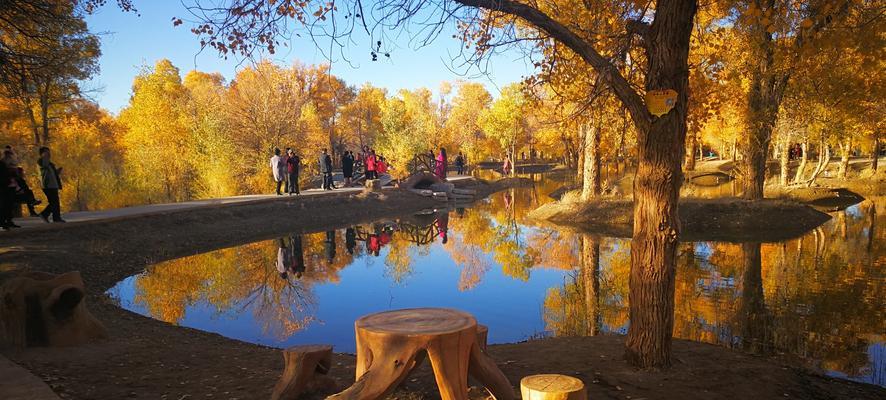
(818, 297)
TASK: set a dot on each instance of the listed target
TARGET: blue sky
(130, 41)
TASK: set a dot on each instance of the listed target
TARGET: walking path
(80, 216)
(16, 383)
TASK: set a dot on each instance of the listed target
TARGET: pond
(818, 298)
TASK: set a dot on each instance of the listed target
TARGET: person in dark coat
(52, 184)
(347, 167)
(293, 164)
(326, 170)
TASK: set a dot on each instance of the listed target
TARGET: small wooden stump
(390, 344)
(552, 387)
(305, 368)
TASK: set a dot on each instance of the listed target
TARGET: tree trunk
(660, 148)
(764, 98)
(44, 112)
(875, 150)
(591, 173)
(580, 154)
(690, 153)
(845, 148)
(755, 320)
(804, 157)
(824, 158)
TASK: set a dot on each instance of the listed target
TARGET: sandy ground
(731, 220)
(145, 358)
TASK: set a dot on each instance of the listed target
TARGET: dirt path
(145, 358)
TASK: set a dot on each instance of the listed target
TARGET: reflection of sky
(510, 307)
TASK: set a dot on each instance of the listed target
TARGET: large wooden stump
(552, 387)
(390, 344)
(305, 367)
(43, 309)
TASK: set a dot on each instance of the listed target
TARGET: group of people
(286, 166)
(15, 189)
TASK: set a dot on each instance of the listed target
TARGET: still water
(818, 298)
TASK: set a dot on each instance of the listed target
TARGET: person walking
(347, 167)
(440, 164)
(50, 178)
(326, 170)
(278, 166)
(293, 164)
(460, 164)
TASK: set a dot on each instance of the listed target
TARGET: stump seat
(305, 369)
(552, 387)
(390, 344)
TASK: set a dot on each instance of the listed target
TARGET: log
(552, 387)
(390, 344)
(305, 369)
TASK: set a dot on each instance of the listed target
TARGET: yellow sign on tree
(660, 102)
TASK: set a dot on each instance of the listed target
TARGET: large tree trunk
(845, 148)
(755, 318)
(590, 187)
(690, 153)
(660, 149)
(590, 262)
(764, 98)
(804, 157)
(875, 149)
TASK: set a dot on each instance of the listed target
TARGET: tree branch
(607, 71)
(641, 29)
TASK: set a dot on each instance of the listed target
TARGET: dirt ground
(732, 220)
(145, 358)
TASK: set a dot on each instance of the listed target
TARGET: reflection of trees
(818, 296)
(243, 278)
(754, 318)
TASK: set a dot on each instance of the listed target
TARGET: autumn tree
(505, 123)
(157, 139)
(214, 148)
(45, 50)
(468, 104)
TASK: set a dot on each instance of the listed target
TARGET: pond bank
(731, 220)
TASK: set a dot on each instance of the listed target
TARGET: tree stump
(373, 185)
(482, 336)
(552, 387)
(390, 344)
(305, 368)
